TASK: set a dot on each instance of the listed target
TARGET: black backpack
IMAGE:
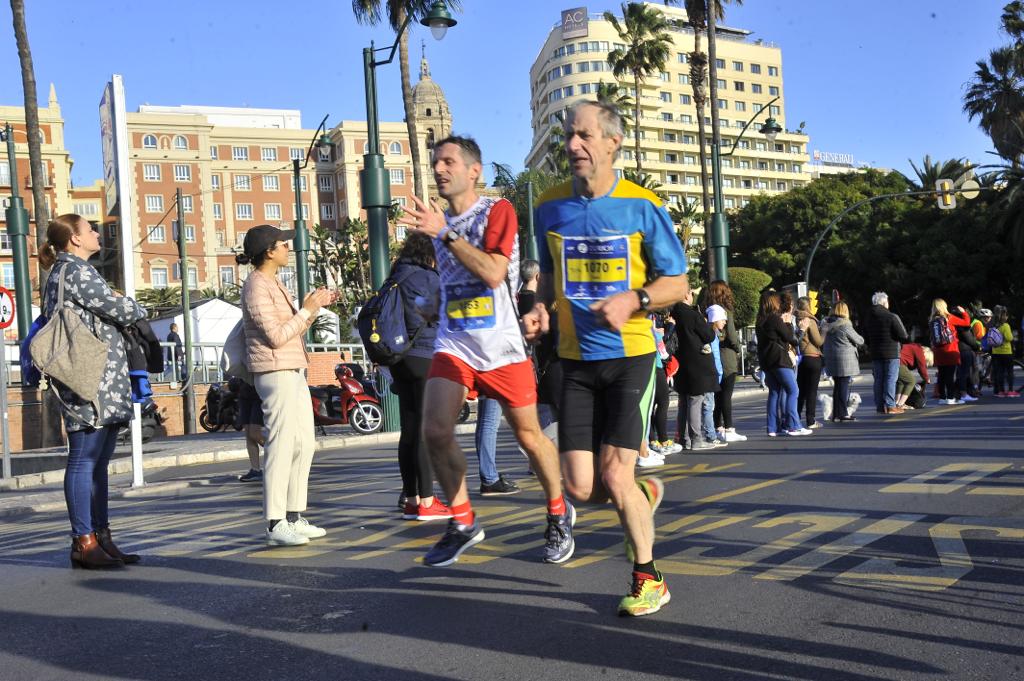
(142, 348)
(382, 327)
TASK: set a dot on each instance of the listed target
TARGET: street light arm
(312, 142)
(752, 119)
(394, 47)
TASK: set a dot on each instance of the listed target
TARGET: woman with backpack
(1002, 353)
(91, 425)
(414, 272)
(943, 326)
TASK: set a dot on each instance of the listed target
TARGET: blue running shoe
(457, 538)
(558, 542)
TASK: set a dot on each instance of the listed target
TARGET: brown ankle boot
(104, 540)
(87, 553)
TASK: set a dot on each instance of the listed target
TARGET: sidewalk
(43, 491)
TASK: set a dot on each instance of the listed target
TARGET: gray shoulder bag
(67, 350)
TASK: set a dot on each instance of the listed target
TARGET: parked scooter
(152, 419)
(348, 402)
(221, 405)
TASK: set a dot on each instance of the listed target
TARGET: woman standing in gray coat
(91, 426)
(840, 350)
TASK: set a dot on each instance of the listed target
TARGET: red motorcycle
(348, 402)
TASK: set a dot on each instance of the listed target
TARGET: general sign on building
(574, 23)
(832, 158)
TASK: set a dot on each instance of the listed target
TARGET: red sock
(557, 506)
(464, 513)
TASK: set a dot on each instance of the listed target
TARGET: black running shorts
(605, 401)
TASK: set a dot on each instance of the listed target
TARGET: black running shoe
(457, 538)
(499, 488)
(254, 475)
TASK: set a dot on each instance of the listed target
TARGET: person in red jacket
(943, 326)
(911, 359)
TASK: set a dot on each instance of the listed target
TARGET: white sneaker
(968, 398)
(799, 431)
(957, 402)
(670, 447)
(655, 447)
(732, 436)
(284, 534)
(652, 460)
(306, 529)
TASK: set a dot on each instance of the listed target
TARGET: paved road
(884, 549)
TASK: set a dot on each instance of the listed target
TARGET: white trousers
(291, 440)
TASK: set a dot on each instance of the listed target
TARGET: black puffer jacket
(697, 374)
(885, 332)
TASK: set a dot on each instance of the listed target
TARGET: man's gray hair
(528, 270)
(607, 113)
(880, 298)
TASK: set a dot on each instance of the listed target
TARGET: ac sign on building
(574, 23)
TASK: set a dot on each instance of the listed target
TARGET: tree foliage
(746, 284)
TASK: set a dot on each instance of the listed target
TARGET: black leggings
(808, 375)
(947, 382)
(410, 380)
(1002, 373)
(723, 402)
(660, 406)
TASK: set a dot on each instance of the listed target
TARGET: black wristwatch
(450, 236)
(645, 298)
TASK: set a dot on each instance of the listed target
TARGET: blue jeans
(707, 417)
(488, 417)
(885, 371)
(782, 395)
(85, 478)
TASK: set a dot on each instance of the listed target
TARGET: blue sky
(881, 80)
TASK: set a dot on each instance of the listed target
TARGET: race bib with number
(469, 306)
(595, 267)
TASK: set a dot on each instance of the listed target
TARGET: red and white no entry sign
(6, 308)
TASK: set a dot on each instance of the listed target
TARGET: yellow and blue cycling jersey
(593, 248)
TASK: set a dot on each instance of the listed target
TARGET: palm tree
(371, 12)
(930, 171)
(995, 96)
(645, 31)
(646, 181)
(616, 95)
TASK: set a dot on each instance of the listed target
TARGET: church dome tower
(433, 117)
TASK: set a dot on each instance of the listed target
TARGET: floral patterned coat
(87, 293)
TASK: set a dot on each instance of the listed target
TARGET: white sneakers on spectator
(284, 534)
(294, 534)
(799, 431)
(730, 435)
(652, 460)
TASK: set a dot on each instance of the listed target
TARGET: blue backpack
(30, 375)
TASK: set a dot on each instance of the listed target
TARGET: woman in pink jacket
(276, 356)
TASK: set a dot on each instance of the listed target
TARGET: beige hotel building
(568, 69)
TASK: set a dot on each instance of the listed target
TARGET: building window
(243, 211)
(296, 153)
(586, 88)
(150, 172)
(727, 182)
(193, 278)
(186, 204)
(220, 238)
(271, 183)
(681, 58)
(326, 182)
(327, 211)
(797, 168)
(218, 211)
(720, 63)
(154, 203)
(780, 186)
(773, 91)
(762, 165)
(213, 151)
(287, 276)
(774, 110)
(227, 276)
(242, 183)
(671, 158)
(761, 146)
(737, 66)
(190, 234)
(793, 149)
(748, 184)
(773, 70)
(721, 84)
(268, 153)
(684, 79)
(664, 76)
(5, 174)
(666, 116)
(182, 172)
(689, 160)
(302, 183)
(689, 139)
(744, 144)
(755, 88)
(180, 142)
(305, 211)
(684, 99)
(397, 175)
(665, 96)
(670, 137)
(400, 200)
(149, 142)
(724, 104)
(156, 235)
(738, 85)
(240, 153)
(215, 181)
(672, 178)
(395, 148)
(755, 68)
(743, 165)
(730, 203)
(272, 211)
(158, 277)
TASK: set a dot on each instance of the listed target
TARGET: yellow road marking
(919, 484)
(756, 486)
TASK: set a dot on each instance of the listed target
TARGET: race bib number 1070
(595, 267)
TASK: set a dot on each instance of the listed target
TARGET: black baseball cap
(262, 238)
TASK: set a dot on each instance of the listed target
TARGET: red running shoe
(1012, 393)
(436, 511)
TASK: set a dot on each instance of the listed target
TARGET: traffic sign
(6, 308)
(946, 198)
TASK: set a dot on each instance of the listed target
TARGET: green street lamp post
(17, 229)
(373, 178)
(301, 242)
(718, 239)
